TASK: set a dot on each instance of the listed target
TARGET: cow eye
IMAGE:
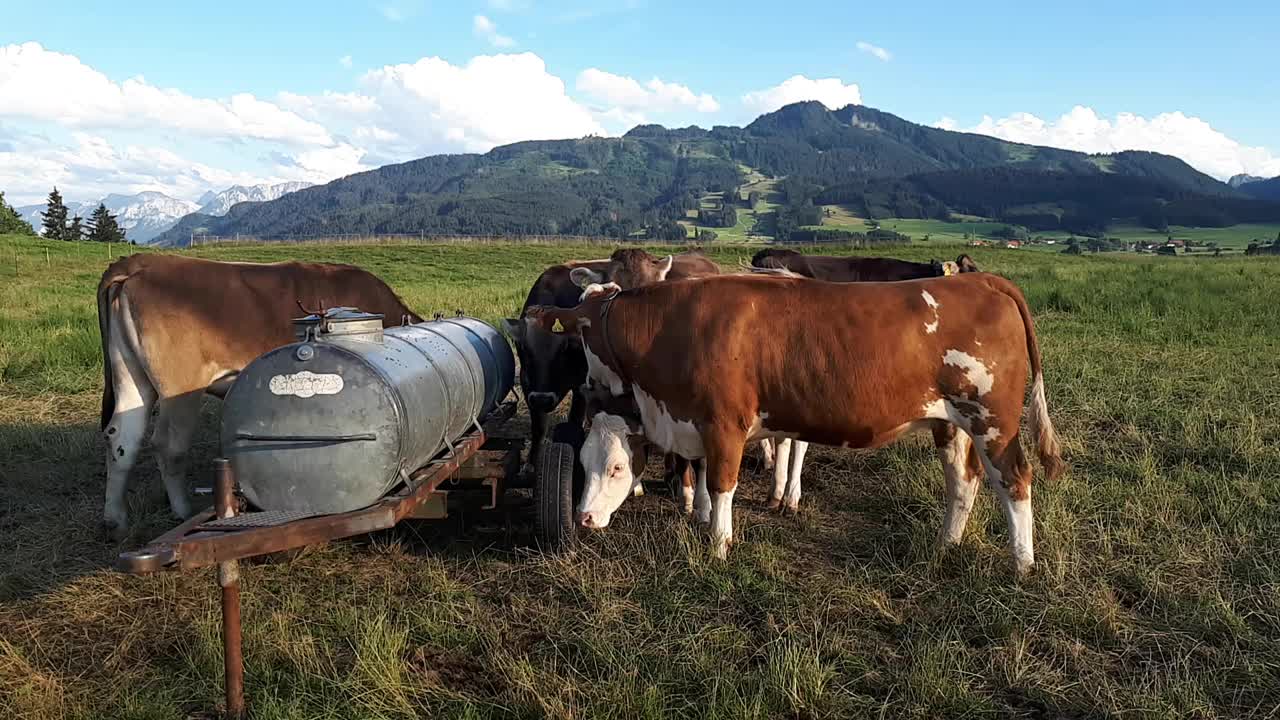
(616, 469)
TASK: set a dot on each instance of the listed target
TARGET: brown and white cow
(790, 456)
(717, 362)
(174, 328)
(553, 365)
(858, 269)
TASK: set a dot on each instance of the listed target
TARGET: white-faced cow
(174, 328)
(858, 269)
(552, 365)
(717, 362)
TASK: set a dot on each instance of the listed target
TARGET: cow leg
(702, 498)
(781, 462)
(724, 458)
(537, 431)
(1009, 474)
(687, 483)
(798, 450)
(956, 451)
(679, 475)
(766, 446)
(176, 420)
(125, 430)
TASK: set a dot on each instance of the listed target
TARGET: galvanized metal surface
(332, 423)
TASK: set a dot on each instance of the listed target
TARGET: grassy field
(1236, 236)
(1157, 591)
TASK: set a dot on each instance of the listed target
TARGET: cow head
(966, 264)
(551, 364)
(614, 456)
(628, 268)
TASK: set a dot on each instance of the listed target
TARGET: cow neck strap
(610, 357)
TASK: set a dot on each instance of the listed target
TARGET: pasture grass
(1156, 595)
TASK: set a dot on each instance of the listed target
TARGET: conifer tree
(103, 226)
(11, 221)
(55, 217)
(75, 231)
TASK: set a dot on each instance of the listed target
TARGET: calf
(858, 269)
(716, 363)
(175, 328)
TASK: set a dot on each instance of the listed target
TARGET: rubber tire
(553, 497)
(574, 437)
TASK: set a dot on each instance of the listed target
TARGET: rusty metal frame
(193, 545)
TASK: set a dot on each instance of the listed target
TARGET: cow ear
(583, 277)
(664, 267)
(553, 319)
(514, 327)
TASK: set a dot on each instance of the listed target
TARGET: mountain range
(148, 214)
(875, 163)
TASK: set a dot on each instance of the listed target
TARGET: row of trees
(11, 223)
(102, 225)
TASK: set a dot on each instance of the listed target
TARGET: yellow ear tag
(557, 327)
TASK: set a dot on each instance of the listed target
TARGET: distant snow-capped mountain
(147, 214)
(220, 203)
(1243, 179)
(143, 216)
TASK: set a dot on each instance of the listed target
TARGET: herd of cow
(667, 352)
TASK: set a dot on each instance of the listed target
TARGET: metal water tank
(332, 422)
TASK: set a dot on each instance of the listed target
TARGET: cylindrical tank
(334, 421)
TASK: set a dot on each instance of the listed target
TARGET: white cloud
(875, 51)
(1173, 133)
(656, 96)
(393, 114)
(487, 29)
(831, 92)
(90, 167)
(39, 84)
(345, 61)
(436, 106)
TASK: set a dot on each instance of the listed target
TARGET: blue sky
(340, 89)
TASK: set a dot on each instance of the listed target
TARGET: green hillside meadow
(1156, 595)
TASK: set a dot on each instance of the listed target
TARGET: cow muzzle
(541, 401)
(593, 520)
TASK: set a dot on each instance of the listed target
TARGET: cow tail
(111, 279)
(1047, 446)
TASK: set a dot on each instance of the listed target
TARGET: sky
(183, 98)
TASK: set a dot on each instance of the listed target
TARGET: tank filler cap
(344, 321)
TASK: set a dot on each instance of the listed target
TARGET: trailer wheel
(553, 496)
(574, 436)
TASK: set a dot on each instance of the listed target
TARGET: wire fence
(399, 238)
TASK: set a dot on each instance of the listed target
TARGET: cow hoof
(113, 530)
(790, 509)
(774, 503)
(1023, 570)
(720, 549)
